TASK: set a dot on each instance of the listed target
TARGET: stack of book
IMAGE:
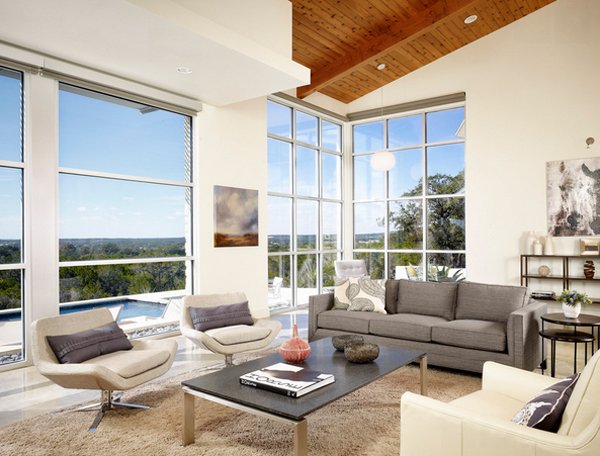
(287, 379)
(543, 294)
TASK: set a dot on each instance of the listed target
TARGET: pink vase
(295, 350)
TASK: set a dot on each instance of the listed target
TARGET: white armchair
(350, 268)
(480, 423)
(228, 340)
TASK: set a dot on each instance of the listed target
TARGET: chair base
(108, 401)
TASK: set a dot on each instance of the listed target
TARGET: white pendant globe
(383, 160)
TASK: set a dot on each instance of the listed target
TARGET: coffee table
(223, 387)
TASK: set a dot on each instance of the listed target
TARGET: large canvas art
(236, 217)
(573, 191)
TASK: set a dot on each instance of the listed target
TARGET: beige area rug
(366, 422)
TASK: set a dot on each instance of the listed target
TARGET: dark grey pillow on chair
(84, 345)
(205, 318)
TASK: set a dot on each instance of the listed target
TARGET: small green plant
(573, 297)
(442, 274)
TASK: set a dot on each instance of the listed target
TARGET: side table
(575, 336)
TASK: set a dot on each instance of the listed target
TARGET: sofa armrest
(316, 305)
(510, 381)
(524, 342)
(431, 427)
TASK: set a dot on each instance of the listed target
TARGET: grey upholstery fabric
(478, 301)
(404, 326)
(346, 321)
(317, 304)
(477, 334)
(391, 296)
(427, 298)
(91, 343)
(205, 318)
(523, 336)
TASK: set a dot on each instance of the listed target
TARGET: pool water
(131, 308)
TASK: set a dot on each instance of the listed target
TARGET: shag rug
(365, 422)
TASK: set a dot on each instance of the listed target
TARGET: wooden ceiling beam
(400, 32)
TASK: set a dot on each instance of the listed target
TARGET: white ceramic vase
(572, 311)
(529, 242)
(548, 245)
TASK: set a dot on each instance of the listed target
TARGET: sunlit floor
(24, 393)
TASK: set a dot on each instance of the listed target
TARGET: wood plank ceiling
(343, 41)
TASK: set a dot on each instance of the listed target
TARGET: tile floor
(24, 393)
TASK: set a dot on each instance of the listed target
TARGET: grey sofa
(459, 325)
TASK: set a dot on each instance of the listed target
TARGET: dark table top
(225, 383)
(583, 319)
(567, 336)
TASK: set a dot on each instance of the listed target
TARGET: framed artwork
(573, 197)
(589, 247)
(236, 217)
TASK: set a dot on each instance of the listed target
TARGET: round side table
(575, 337)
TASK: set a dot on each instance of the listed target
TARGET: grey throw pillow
(427, 298)
(480, 301)
(84, 345)
(205, 318)
(545, 410)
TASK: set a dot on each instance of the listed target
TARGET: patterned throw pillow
(360, 294)
(546, 409)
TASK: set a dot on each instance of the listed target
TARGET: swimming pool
(131, 308)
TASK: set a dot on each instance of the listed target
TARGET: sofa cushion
(391, 296)
(404, 326)
(88, 344)
(427, 298)
(205, 318)
(128, 364)
(238, 334)
(546, 409)
(343, 320)
(478, 301)
(360, 294)
(477, 334)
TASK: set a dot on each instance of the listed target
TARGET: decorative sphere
(295, 350)
(383, 160)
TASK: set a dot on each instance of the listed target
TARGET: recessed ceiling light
(184, 70)
(470, 19)
(381, 66)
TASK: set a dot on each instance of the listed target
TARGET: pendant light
(382, 160)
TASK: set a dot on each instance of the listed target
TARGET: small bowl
(361, 353)
(340, 342)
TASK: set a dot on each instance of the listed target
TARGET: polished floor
(24, 393)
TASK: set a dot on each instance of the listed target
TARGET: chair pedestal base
(108, 401)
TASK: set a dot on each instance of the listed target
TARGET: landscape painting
(573, 197)
(236, 217)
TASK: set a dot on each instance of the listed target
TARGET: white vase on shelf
(537, 247)
(571, 311)
(529, 242)
(548, 245)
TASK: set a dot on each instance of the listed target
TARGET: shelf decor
(589, 269)
(589, 247)
(571, 302)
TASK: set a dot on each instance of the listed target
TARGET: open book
(287, 379)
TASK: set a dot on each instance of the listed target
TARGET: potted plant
(571, 302)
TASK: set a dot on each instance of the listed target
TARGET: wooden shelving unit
(564, 274)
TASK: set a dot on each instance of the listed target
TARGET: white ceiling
(146, 40)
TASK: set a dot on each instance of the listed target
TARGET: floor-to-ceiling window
(125, 200)
(304, 202)
(12, 258)
(409, 222)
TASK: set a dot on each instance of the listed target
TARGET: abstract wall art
(573, 197)
(236, 217)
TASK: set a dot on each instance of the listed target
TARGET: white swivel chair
(118, 371)
(350, 268)
(480, 423)
(228, 340)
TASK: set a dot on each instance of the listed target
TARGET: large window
(12, 261)
(304, 203)
(125, 198)
(409, 222)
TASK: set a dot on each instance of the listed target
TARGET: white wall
(532, 96)
(232, 149)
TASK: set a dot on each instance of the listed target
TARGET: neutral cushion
(545, 410)
(391, 296)
(427, 298)
(404, 326)
(477, 334)
(343, 320)
(361, 294)
(489, 403)
(205, 318)
(84, 345)
(238, 334)
(131, 363)
(478, 301)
